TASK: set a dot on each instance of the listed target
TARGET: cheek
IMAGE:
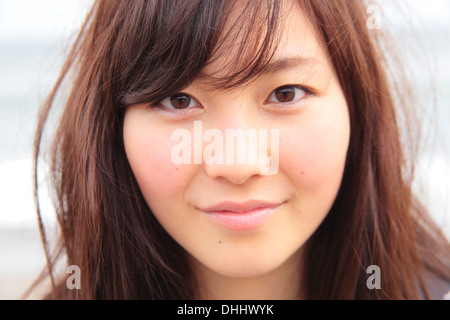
(148, 153)
(315, 158)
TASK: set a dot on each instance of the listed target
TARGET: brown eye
(179, 101)
(287, 94)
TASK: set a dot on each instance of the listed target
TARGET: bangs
(181, 38)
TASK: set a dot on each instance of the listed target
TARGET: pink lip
(242, 215)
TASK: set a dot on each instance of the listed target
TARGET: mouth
(240, 216)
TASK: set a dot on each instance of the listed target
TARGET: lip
(239, 216)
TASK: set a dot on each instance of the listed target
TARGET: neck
(283, 283)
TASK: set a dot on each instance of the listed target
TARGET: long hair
(130, 52)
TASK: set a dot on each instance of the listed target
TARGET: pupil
(180, 101)
(285, 94)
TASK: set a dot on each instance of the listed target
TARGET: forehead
(294, 38)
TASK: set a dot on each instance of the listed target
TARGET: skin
(262, 263)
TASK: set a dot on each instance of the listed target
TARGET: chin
(248, 267)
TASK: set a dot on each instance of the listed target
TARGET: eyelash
(308, 93)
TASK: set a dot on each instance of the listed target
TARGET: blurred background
(34, 35)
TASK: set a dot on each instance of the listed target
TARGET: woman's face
(235, 217)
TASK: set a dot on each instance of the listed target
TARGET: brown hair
(130, 52)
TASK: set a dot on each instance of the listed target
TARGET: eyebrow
(279, 65)
(287, 63)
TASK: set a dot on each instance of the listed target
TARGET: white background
(33, 38)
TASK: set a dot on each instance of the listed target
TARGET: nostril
(236, 173)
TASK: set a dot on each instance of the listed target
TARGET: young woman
(151, 205)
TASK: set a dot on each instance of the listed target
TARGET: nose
(242, 154)
(244, 151)
(234, 173)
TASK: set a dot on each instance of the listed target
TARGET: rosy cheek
(149, 155)
(317, 157)
(161, 175)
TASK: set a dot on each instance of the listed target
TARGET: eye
(288, 94)
(179, 101)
